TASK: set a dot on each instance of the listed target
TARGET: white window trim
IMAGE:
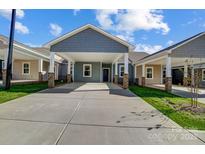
(203, 75)
(121, 71)
(90, 65)
(29, 68)
(152, 72)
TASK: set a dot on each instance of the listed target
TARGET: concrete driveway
(87, 113)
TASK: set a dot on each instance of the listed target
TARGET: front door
(105, 74)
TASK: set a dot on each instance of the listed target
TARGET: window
(87, 70)
(26, 68)
(149, 72)
(121, 70)
(203, 74)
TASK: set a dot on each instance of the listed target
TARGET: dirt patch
(197, 110)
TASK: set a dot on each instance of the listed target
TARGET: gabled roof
(172, 47)
(78, 30)
(24, 47)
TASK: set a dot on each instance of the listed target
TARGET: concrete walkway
(91, 113)
(182, 91)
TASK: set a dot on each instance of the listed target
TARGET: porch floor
(181, 91)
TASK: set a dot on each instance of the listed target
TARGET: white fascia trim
(30, 51)
(145, 61)
(131, 47)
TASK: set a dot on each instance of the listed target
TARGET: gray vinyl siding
(195, 48)
(78, 74)
(89, 40)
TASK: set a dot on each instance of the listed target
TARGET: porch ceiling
(177, 61)
(19, 55)
(90, 56)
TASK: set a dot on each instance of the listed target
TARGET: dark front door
(177, 76)
(105, 75)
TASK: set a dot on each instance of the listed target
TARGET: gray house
(92, 55)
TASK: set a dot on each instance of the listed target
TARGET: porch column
(68, 72)
(4, 70)
(51, 73)
(185, 80)
(135, 74)
(116, 73)
(73, 69)
(143, 76)
(168, 80)
(40, 69)
(126, 74)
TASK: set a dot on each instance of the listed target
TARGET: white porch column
(101, 72)
(73, 69)
(168, 83)
(161, 74)
(68, 68)
(4, 70)
(143, 75)
(126, 70)
(51, 74)
(69, 72)
(116, 73)
(126, 63)
(143, 70)
(185, 80)
(116, 66)
(52, 61)
(40, 69)
(168, 67)
(5, 59)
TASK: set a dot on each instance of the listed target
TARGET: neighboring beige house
(173, 64)
(29, 64)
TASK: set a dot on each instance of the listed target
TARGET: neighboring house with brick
(173, 64)
(28, 63)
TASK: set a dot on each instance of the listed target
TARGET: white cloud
(76, 11)
(132, 20)
(55, 29)
(148, 48)
(33, 45)
(20, 28)
(6, 13)
(126, 37)
(170, 42)
(104, 18)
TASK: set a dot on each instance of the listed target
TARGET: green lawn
(22, 90)
(170, 105)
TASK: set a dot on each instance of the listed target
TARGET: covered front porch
(167, 72)
(91, 55)
(92, 67)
